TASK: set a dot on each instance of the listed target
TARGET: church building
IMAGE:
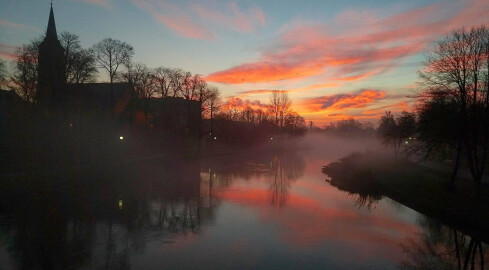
(116, 101)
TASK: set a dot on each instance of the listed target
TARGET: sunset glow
(334, 60)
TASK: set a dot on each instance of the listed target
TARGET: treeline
(454, 100)
(350, 128)
(115, 59)
(245, 124)
(451, 117)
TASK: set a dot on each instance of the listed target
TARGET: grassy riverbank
(417, 187)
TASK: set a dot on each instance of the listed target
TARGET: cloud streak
(101, 3)
(174, 18)
(305, 49)
(342, 102)
(194, 20)
(9, 24)
(237, 103)
(232, 16)
(7, 51)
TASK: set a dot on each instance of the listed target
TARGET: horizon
(331, 66)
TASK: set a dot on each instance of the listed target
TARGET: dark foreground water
(246, 211)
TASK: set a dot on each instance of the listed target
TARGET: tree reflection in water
(355, 180)
(279, 168)
(285, 168)
(95, 220)
(441, 247)
(99, 218)
(437, 246)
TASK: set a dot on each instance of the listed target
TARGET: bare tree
(389, 131)
(176, 80)
(162, 79)
(279, 107)
(458, 71)
(25, 76)
(142, 79)
(111, 54)
(187, 86)
(213, 104)
(80, 63)
(3, 72)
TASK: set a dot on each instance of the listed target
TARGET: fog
(331, 147)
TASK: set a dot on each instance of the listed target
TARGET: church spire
(51, 30)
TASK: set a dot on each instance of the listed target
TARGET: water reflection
(284, 169)
(441, 247)
(436, 246)
(345, 176)
(98, 219)
(260, 211)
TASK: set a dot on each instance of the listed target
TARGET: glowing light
(271, 138)
(406, 142)
(120, 204)
(121, 138)
(215, 138)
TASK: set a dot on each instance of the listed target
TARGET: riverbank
(418, 187)
(142, 154)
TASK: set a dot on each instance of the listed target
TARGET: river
(260, 210)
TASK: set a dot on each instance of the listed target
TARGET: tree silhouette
(458, 70)
(80, 63)
(3, 71)
(25, 76)
(111, 54)
(279, 107)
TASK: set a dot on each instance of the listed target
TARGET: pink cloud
(9, 24)
(193, 20)
(175, 18)
(7, 51)
(101, 3)
(306, 50)
(232, 17)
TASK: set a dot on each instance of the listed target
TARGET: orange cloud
(400, 106)
(343, 101)
(308, 50)
(239, 104)
(258, 92)
(265, 72)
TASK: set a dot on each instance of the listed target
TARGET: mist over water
(243, 210)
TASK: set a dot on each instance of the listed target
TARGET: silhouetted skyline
(335, 59)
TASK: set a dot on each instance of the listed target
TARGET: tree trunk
(453, 177)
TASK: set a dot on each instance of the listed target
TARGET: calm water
(259, 211)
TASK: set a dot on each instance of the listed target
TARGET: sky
(335, 59)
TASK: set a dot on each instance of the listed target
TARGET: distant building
(117, 101)
(170, 115)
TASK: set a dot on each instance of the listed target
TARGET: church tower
(51, 76)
